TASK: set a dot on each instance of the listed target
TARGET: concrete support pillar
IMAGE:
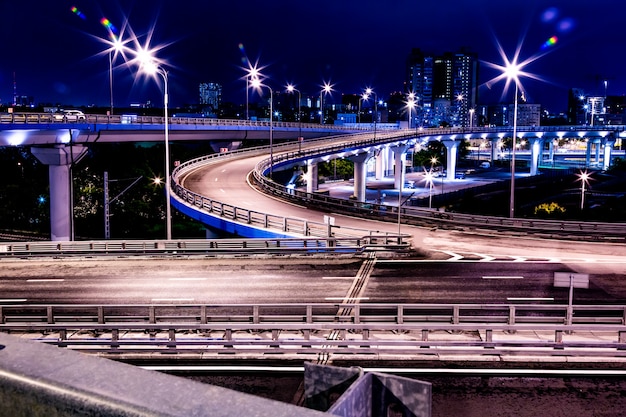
(380, 164)
(60, 160)
(551, 150)
(608, 148)
(311, 177)
(593, 144)
(360, 175)
(451, 148)
(494, 150)
(388, 162)
(398, 176)
(536, 144)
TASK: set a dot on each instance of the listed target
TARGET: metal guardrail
(381, 329)
(309, 245)
(277, 222)
(601, 231)
(126, 119)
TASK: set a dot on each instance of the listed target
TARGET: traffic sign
(567, 279)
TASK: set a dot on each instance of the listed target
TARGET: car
(69, 115)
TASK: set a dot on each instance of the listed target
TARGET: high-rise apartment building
(210, 97)
(446, 86)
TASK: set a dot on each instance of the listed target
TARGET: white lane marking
(455, 256)
(347, 278)
(46, 280)
(485, 258)
(12, 300)
(503, 277)
(345, 298)
(187, 279)
(530, 299)
(172, 299)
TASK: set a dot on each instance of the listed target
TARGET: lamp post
(256, 83)
(471, 118)
(583, 177)
(364, 96)
(429, 181)
(512, 71)
(150, 67)
(291, 89)
(327, 88)
(253, 74)
(410, 104)
(369, 92)
(117, 47)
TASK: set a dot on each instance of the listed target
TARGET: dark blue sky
(54, 52)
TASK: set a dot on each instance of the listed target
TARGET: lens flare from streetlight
(550, 42)
(78, 13)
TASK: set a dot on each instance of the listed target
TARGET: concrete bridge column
(360, 174)
(551, 150)
(536, 144)
(398, 176)
(380, 164)
(608, 148)
(494, 149)
(451, 147)
(60, 160)
(595, 145)
(388, 162)
(311, 177)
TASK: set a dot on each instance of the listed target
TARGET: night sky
(56, 55)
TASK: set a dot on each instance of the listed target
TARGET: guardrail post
(511, 315)
(400, 315)
(115, 336)
(455, 314)
(558, 336)
(171, 341)
(203, 319)
(275, 334)
(424, 337)
(309, 313)
(255, 314)
(285, 227)
(228, 335)
(50, 315)
(305, 228)
(357, 314)
(100, 315)
(152, 315)
(621, 338)
(62, 338)
(1, 316)
(624, 316)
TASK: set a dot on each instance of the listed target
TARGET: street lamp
(150, 67)
(369, 92)
(116, 48)
(471, 118)
(512, 71)
(256, 83)
(327, 88)
(429, 181)
(253, 74)
(364, 96)
(583, 177)
(291, 89)
(410, 104)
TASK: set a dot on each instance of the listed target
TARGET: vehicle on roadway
(69, 115)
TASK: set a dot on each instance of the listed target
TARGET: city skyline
(56, 51)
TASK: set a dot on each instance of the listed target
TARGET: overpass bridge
(61, 144)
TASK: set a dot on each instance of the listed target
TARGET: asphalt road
(456, 279)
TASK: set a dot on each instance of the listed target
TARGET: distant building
(584, 109)
(210, 97)
(446, 86)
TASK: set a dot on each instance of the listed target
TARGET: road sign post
(571, 280)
